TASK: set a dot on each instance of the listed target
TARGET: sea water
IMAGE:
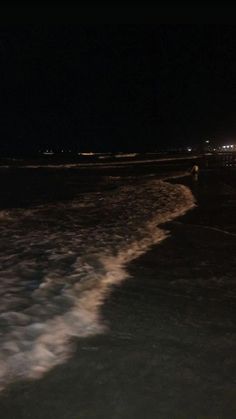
(59, 261)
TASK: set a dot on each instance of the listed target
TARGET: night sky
(116, 87)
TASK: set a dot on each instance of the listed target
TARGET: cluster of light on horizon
(228, 146)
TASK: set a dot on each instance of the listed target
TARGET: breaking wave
(59, 263)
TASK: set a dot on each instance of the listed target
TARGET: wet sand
(169, 351)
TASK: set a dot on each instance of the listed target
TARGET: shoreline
(169, 349)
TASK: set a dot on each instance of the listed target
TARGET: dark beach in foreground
(169, 351)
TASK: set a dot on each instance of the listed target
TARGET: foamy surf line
(58, 269)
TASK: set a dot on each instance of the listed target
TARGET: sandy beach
(169, 349)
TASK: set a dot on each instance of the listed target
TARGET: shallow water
(59, 261)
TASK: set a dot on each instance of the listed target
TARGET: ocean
(66, 239)
(117, 291)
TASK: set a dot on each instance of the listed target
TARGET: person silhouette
(195, 171)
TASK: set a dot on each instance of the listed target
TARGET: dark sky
(116, 87)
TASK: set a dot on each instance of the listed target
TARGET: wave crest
(60, 262)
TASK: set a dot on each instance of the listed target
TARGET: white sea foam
(59, 263)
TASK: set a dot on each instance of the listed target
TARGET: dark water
(163, 344)
(59, 257)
